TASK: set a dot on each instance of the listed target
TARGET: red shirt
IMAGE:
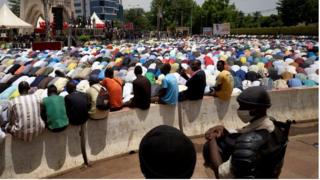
(208, 61)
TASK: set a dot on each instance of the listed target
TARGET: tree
(172, 13)
(310, 11)
(257, 18)
(271, 21)
(198, 19)
(15, 7)
(138, 17)
(293, 12)
(169, 14)
(240, 20)
(219, 11)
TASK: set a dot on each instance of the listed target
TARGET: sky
(247, 6)
(1, 2)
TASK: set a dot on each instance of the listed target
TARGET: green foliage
(293, 12)
(175, 13)
(219, 11)
(293, 30)
(117, 24)
(15, 6)
(271, 21)
(198, 19)
(138, 17)
(84, 38)
(211, 12)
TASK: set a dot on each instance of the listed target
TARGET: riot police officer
(255, 151)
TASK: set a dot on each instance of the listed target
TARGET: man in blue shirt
(169, 92)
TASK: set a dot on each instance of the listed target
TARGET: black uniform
(256, 154)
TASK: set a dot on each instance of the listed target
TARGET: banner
(128, 26)
(221, 29)
(207, 31)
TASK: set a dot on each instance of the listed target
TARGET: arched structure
(32, 9)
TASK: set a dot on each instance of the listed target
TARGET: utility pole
(70, 32)
(201, 24)
(46, 17)
(181, 18)
(158, 20)
(191, 19)
(206, 19)
(84, 5)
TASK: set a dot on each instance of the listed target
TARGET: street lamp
(84, 5)
(46, 17)
(159, 16)
(70, 32)
(191, 20)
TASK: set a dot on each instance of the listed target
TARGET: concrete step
(301, 160)
(304, 127)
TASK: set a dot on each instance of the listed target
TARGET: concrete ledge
(122, 131)
(293, 104)
(47, 154)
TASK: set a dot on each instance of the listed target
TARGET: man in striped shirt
(24, 115)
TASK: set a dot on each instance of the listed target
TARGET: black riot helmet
(255, 96)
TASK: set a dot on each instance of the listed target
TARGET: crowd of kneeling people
(255, 151)
(28, 114)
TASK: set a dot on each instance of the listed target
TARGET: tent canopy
(96, 18)
(10, 20)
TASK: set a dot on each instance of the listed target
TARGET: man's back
(142, 92)
(56, 112)
(94, 112)
(24, 119)
(171, 84)
(295, 82)
(196, 85)
(77, 106)
(280, 84)
(226, 81)
(309, 83)
(114, 87)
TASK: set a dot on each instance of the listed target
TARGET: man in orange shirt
(114, 87)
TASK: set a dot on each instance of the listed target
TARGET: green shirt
(151, 78)
(56, 112)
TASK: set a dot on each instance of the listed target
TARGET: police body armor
(257, 154)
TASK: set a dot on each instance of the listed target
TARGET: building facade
(107, 10)
(15, 6)
(78, 7)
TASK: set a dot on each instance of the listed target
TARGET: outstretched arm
(215, 156)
